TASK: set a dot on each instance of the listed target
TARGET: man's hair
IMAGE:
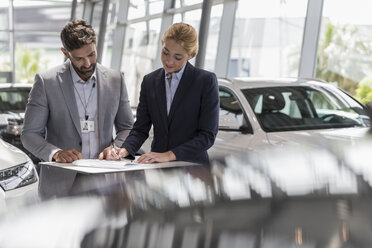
(76, 34)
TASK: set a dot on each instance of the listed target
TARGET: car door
(235, 132)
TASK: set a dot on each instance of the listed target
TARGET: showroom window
(345, 46)
(141, 44)
(142, 8)
(214, 28)
(37, 25)
(267, 40)
(182, 3)
(5, 56)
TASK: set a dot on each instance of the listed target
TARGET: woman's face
(173, 56)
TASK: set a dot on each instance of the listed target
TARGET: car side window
(13, 100)
(291, 106)
(229, 105)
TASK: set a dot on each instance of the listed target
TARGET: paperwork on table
(110, 164)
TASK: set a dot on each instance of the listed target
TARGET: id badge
(87, 126)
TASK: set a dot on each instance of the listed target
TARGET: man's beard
(84, 73)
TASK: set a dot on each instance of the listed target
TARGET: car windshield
(13, 99)
(303, 108)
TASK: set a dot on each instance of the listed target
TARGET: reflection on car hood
(14, 115)
(10, 155)
(316, 197)
(72, 219)
(318, 136)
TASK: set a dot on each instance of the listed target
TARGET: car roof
(250, 82)
(15, 85)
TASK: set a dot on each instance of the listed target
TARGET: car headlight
(18, 176)
(14, 129)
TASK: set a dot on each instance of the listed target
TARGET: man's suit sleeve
(124, 117)
(36, 117)
(208, 123)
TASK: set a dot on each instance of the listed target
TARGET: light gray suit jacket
(52, 118)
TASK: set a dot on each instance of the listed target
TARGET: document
(95, 166)
(96, 163)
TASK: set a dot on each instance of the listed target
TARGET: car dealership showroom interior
(185, 123)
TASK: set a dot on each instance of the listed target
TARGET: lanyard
(85, 105)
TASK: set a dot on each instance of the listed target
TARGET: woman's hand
(153, 157)
(113, 153)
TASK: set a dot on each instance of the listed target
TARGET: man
(72, 108)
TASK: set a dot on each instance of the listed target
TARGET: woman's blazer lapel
(185, 83)
(161, 98)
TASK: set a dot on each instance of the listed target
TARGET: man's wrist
(53, 156)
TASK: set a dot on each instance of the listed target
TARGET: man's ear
(65, 52)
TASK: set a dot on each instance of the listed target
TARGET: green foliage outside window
(364, 91)
(27, 63)
(342, 54)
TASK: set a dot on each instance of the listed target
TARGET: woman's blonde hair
(184, 35)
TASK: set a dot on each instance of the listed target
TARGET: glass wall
(5, 65)
(141, 44)
(213, 36)
(190, 17)
(181, 3)
(142, 8)
(345, 46)
(267, 40)
(36, 33)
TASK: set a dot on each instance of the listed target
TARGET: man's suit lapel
(66, 84)
(102, 100)
(161, 98)
(185, 83)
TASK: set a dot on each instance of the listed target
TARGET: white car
(255, 113)
(18, 177)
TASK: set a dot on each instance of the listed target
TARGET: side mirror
(228, 123)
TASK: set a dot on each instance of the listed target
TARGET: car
(318, 197)
(13, 100)
(18, 177)
(260, 112)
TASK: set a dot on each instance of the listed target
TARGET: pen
(114, 147)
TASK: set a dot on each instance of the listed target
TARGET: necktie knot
(170, 80)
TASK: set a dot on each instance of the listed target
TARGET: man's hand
(113, 153)
(153, 157)
(68, 156)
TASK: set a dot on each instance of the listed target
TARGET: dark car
(13, 100)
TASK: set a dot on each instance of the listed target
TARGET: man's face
(83, 60)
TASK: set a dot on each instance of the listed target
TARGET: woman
(179, 100)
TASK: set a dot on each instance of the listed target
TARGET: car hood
(342, 135)
(14, 115)
(10, 155)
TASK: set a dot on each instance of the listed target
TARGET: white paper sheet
(95, 166)
(96, 163)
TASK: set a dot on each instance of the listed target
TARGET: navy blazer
(192, 124)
